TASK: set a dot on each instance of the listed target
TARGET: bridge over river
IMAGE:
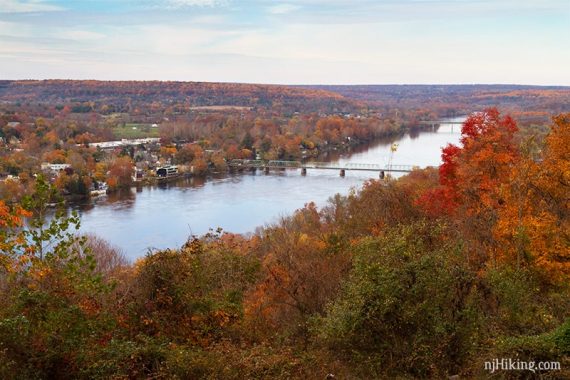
(342, 168)
(452, 123)
(382, 169)
(439, 122)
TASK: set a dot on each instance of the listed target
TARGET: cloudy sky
(291, 42)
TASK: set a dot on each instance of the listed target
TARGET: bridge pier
(303, 171)
(382, 174)
(342, 172)
(266, 169)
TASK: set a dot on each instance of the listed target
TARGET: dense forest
(108, 97)
(427, 276)
(527, 103)
(530, 104)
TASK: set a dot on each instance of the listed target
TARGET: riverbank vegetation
(427, 276)
(91, 128)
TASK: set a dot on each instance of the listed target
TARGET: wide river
(165, 216)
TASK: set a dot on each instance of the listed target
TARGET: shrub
(409, 304)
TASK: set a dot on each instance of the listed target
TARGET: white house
(54, 167)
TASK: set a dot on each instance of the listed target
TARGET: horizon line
(283, 84)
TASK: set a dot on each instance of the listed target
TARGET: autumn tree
(534, 225)
(195, 293)
(378, 205)
(219, 162)
(168, 152)
(303, 268)
(12, 239)
(470, 179)
(120, 173)
(185, 154)
(56, 156)
(13, 189)
(72, 183)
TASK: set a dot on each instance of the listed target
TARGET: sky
(288, 42)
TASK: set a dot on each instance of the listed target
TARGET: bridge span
(342, 168)
(439, 122)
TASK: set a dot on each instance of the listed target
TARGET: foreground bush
(409, 306)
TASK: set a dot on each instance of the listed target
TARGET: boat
(99, 191)
(167, 172)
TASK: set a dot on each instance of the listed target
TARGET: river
(165, 216)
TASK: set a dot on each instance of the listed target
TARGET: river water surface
(165, 216)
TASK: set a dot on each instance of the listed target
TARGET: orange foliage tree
(471, 176)
(301, 272)
(120, 172)
(55, 156)
(534, 226)
(11, 238)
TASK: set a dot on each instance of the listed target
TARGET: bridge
(433, 123)
(437, 122)
(342, 168)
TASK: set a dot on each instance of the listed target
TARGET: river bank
(165, 215)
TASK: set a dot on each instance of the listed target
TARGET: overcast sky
(290, 42)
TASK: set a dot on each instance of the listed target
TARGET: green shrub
(410, 304)
(562, 338)
(195, 293)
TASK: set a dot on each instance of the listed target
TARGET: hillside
(528, 103)
(123, 95)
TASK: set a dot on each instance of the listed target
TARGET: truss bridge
(304, 166)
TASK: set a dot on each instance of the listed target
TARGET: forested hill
(119, 95)
(527, 103)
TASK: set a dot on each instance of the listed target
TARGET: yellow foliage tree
(534, 226)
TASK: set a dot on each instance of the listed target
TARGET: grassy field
(135, 131)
